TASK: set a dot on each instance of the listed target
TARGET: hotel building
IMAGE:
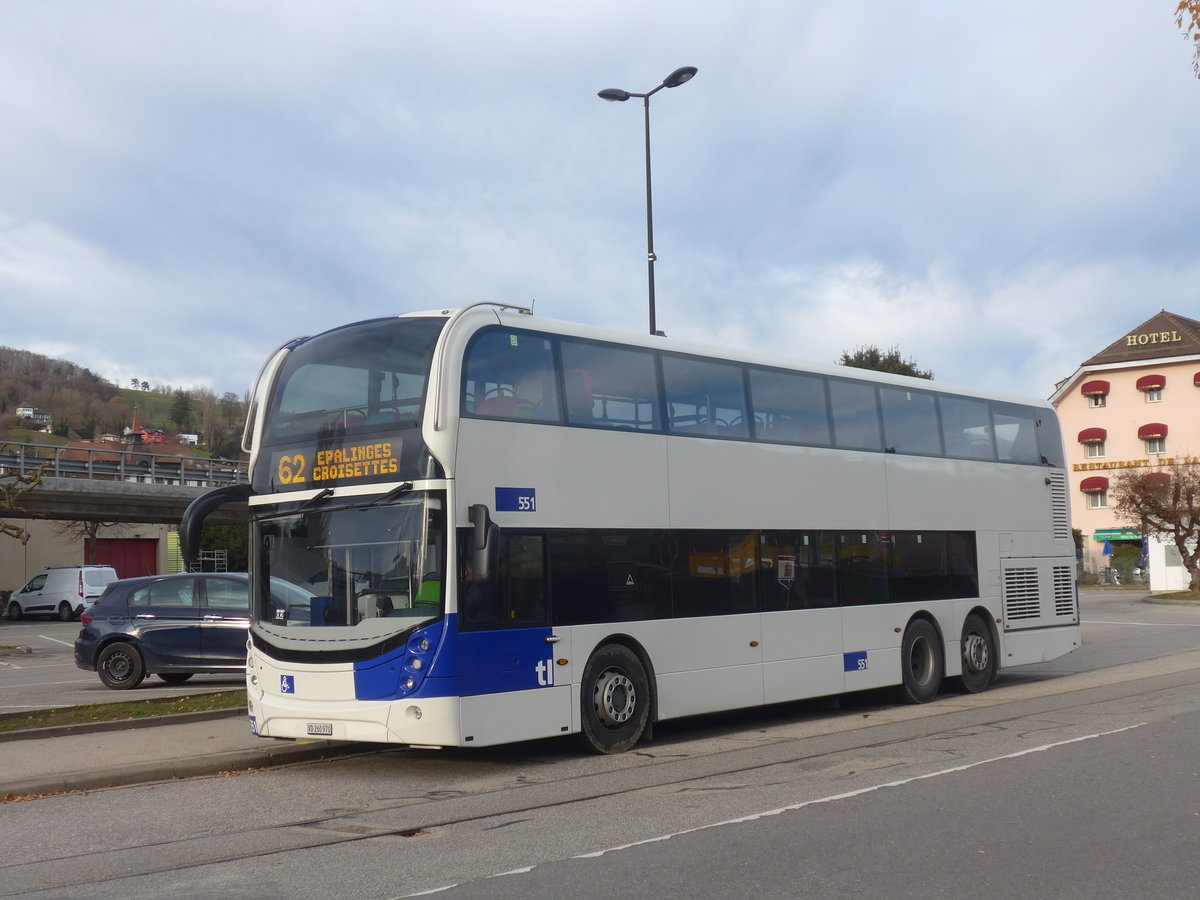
(1135, 404)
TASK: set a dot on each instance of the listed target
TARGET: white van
(64, 591)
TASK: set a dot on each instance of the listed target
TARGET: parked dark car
(172, 626)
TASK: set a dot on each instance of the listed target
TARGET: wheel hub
(615, 698)
(975, 653)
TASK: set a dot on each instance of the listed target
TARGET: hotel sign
(1153, 337)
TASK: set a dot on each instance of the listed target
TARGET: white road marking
(1145, 624)
(753, 817)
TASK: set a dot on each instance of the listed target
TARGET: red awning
(1091, 388)
(1094, 485)
(1151, 382)
(1152, 430)
(1093, 436)
(1158, 478)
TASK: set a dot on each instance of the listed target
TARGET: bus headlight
(409, 683)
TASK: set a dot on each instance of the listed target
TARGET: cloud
(998, 191)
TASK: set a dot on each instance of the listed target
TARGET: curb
(185, 767)
(53, 731)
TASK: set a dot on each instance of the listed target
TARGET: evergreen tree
(871, 357)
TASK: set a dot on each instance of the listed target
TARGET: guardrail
(134, 466)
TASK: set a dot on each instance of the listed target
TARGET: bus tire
(978, 655)
(615, 700)
(921, 662)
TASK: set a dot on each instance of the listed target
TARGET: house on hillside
(34, 414)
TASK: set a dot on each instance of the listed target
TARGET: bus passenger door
(509, 679)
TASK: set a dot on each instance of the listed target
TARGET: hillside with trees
(83, 405)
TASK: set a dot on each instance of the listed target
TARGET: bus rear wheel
(615, 701)
(978, 655)
(921, 662)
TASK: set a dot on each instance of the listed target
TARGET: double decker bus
(476, 526)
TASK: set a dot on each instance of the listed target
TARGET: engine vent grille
(1060, 519)
(1021, 599)
(1064, 591)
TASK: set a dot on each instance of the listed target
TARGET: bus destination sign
(369, 461)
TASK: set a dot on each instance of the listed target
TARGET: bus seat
(498, 407)
(429, 594)
(578, 384)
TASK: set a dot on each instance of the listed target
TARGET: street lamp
(675, 79)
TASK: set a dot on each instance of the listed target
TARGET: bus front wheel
(615, 701)
(921, 662)
(978, 655)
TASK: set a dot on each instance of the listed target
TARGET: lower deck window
(577, 576)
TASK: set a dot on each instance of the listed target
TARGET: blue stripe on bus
(460, 664)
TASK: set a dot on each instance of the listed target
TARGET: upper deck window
(789, 407)
(510, 375)
(365, 377)
(609, 386)
(967, 428)
(704, 397)
(1016, 434)
(910, 422)
(517, 375)
(855, 415)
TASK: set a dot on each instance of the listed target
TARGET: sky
(1000, 190)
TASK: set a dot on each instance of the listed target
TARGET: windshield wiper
(315, 499)
(402, 488)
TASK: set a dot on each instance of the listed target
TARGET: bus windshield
(366, 377)
(360, 571)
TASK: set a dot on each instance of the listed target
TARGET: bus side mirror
(198, 510)
(485, 545)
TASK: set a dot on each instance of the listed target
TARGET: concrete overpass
(85, 484)
(81, 500)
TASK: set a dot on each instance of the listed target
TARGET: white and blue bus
(472, 527)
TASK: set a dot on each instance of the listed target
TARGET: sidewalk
(80, 758)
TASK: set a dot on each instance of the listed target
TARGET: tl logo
(545, 672)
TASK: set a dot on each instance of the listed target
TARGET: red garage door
(131, 557)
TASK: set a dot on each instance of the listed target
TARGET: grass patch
(122, 711)
(1188, 597)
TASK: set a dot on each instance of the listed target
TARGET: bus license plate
(320, 728)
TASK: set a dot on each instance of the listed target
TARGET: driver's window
(36, 585)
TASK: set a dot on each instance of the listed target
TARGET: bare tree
(13, 486)
(1164, 503)
(88, 532)
(1187, 20)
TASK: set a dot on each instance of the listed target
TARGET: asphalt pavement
(94, 756)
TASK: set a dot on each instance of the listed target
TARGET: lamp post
(675, 79)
